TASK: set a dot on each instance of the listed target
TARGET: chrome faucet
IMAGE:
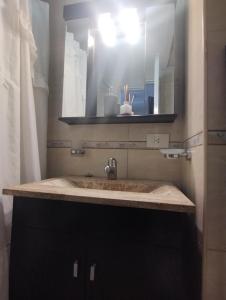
(111, 168)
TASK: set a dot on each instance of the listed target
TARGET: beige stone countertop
(123, 193)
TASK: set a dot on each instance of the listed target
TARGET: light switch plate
(158, 141)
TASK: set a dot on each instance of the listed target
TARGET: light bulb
(130, 25)
(107, 29)
(91, 40)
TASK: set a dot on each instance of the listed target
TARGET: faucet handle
(107, 169)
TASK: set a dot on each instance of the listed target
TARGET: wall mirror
(119, 62)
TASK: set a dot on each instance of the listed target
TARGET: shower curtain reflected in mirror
(75, 73)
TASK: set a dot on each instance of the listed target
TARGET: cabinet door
(116, 273)
(46, 265)
(166, 271)
(135, 271)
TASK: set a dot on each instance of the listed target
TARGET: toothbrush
(131, 103)
(131, 100)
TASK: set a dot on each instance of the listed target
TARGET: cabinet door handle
(75, 269)
(92, 272)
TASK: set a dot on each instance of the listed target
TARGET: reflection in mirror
(75, 68)
(120, 63)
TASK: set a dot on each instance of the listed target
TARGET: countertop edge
(173, 207)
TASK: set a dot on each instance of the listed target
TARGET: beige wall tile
(215, 276)
(216, 204)
(215, 261)
(216, 12)
(101, 132)
(152, 165)
(61, 163)
(193, 177)
(138, 132)
(194, 181)
(194, 106)
(55, 103)
(216, 80)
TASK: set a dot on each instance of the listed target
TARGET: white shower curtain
(19, 157)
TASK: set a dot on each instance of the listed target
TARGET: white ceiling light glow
(91, 40)
(130, 25)
(107, 29)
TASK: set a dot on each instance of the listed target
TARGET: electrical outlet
(158, 141)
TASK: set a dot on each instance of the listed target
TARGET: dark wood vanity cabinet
(64, 250)
(42, 266)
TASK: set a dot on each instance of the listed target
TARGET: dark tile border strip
(217, 137)
(192, 142)
(136, 145)
(59, 144)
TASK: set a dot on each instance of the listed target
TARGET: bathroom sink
(104, 184)
(145, 194)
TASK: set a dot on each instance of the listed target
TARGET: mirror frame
(82, 10)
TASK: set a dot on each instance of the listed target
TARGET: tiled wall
(193, 186)
(215, 267)
(194, 124)
(131, 163)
